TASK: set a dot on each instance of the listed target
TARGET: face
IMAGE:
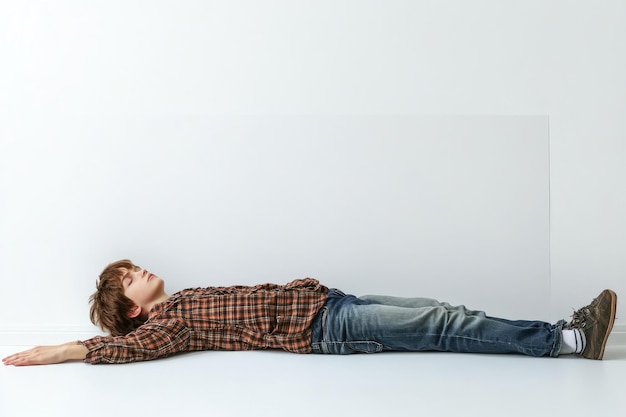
(143, 287)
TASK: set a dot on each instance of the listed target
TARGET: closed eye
(126, 281)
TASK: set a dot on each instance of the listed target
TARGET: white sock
(573, 342)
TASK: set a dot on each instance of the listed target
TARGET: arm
(146, 343)
(153, 340)
(44, 355)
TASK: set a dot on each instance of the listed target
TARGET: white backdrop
(102, 103)
(452, 207)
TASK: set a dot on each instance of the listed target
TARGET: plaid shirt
(219, 318)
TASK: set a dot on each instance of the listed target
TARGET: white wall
(73, 69)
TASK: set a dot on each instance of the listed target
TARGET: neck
(159, 300)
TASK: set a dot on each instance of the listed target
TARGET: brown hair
(109, 305)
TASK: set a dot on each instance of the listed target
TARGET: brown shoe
(596, 322)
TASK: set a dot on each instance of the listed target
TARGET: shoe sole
(611, 321)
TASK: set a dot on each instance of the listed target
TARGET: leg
(348, 324)
(429, 302)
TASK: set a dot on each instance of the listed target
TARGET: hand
(44, 355)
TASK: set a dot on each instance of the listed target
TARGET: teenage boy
(304, 317)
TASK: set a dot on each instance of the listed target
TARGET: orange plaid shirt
(266, 316)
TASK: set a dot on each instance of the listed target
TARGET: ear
(134, 312)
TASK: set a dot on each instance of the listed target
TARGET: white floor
(273, 383)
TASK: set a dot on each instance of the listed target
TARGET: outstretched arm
(150, 341)
(44, 355)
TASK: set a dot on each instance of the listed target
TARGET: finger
(8, 358)
(17, 358)
(15, 355)
(18, 354)
(20, 361)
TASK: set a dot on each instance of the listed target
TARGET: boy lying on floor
(304, 316)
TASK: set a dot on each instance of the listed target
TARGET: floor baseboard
(33, 336)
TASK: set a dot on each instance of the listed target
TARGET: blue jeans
(347, 324)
